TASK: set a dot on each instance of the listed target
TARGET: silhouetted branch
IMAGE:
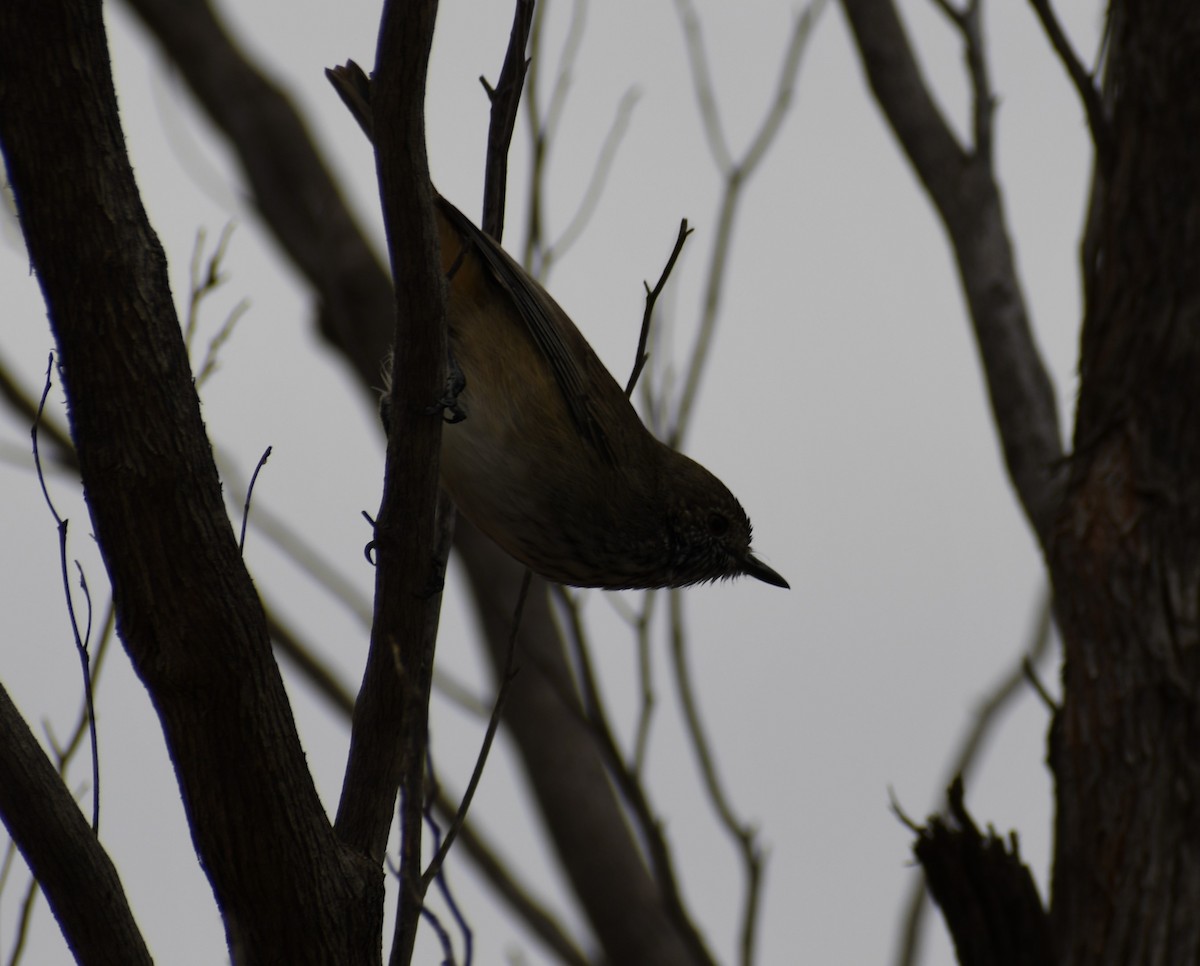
(652, 294)
(986, 893)
(735, 174)
(1085, 86)
(743, 834)
(962, 187)
(987, 717)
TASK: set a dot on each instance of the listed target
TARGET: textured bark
(62, 851)
(1126, 555)
(624, 908)
(1121, 535)
(186, 609)
(986, 893)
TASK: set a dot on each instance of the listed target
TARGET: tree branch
(291, 187)
(506, 99)
(64, 855)
(987, 895)
(1085, 86)
(962, 187)
(391, 717)
(278, 873)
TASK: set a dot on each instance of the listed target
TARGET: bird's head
(709, 532)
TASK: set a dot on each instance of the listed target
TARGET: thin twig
(743, 834)
(204, 281)
(641, 740)
(542, 129)
(63, 755)
(649, 828)
(530, 910)
(81, 643)
(595, 186)
(432, 794)
(1085, 86)
(505, 98)
(506, 680)
(969, 22)
(296, 548)
(25, 408)
(735, 174)
(24, 918)
(442, 934)
(262, 461)
(652, 294)
(209, 365)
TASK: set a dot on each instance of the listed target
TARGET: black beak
(753, 567)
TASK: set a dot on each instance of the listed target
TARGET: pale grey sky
(843, 405)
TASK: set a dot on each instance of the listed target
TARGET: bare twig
(542, 129)
(262, 461)
(742, 833)
(81, 642)
(652, 294)
(595, 186)
(1085, 86)
(63, 755)
(442, 880)
(969, 22)
(24, 919)
(309, 559)
(641, 739)
(209, 364)
(505, 98)
(506, 679)
(735, 174)
(206, 278)
(26, 408)
(649, 827)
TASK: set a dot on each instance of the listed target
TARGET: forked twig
(652, 294)
(81, 642)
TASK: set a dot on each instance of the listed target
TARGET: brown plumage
(552, 461)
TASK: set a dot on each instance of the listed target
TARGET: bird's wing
(573, 362)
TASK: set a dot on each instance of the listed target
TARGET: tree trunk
(1125, 555)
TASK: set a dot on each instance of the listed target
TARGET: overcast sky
(843, 405)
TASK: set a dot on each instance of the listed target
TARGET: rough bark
(62, 851)
(624, 908)
(186, 609)
(985, 891)
(1126, 555)
(1121, 535)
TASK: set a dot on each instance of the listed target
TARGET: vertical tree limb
(391, 717)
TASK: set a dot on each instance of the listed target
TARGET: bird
(546, 455)
(551, 460)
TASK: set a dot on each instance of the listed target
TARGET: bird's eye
(718, 524)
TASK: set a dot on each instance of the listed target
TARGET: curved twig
(735, 174)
